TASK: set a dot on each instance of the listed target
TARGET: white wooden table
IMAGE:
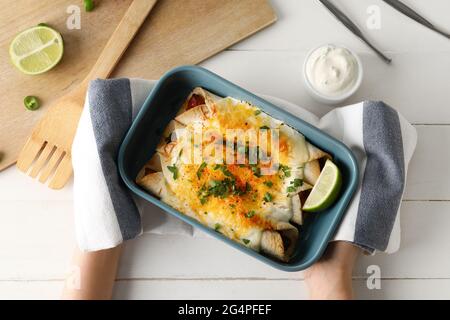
(36, 227)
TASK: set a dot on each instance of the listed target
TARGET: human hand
(331, 277)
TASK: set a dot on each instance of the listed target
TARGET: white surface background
(36, 227)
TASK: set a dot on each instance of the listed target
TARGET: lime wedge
(36, 50)
(325, 190)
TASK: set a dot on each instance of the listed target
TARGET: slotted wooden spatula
(47, 153)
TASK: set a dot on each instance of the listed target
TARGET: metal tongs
(353, 28)
(396, 4)
(407, 11)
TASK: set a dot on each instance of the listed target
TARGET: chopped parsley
(257, 112)
(297, 182)
(294, 185)
(224, 169)
(268, 197)
(256, 170)
(268, 183)
(201, 169)
(174, 171)
(221, 189)
(217, 226)
(245, 241)
(291, 189)
(264, 128)
(250, 214)
(286, 171)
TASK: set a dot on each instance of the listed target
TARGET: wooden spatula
(47, 152)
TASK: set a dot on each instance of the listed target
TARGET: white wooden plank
(304, 24)
(37, 240)
(429, 170)
(274, 289)
(424, 229)
(30, 290)
(416, 84)
(17, 186)
(232, 289)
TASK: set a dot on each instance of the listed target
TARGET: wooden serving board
(176, 32)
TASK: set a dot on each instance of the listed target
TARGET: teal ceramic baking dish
(161, 106)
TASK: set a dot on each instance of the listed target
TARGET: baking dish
(162, 105)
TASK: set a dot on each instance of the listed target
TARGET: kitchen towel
(106, 213)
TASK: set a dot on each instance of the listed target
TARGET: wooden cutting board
(176, 32)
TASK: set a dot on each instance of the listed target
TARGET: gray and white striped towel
(106, 214)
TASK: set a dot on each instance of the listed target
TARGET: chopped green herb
(268, 197)
(88, 5)
(268, 183)
(285, 170)
(217, 226)
(264, 128)
(214, 183)
(221, 189)
(297, 182)
(31, 103)
(256, 171)
(201, 169)
(291, 189)
(43, 24)
(257, 112)
(245, 241)
(174, 171)
(250, 214)
(224, 169)
(205, 212)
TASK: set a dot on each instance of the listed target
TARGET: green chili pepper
(88, 5)
(31, 103)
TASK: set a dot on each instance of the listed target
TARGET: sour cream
(333, 72)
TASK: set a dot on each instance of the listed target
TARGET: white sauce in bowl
(332, 71)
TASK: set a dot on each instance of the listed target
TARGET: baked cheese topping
(236, 199)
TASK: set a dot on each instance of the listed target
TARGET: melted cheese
(261, 201)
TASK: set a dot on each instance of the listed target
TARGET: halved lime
(36, 50)
(325, 190)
